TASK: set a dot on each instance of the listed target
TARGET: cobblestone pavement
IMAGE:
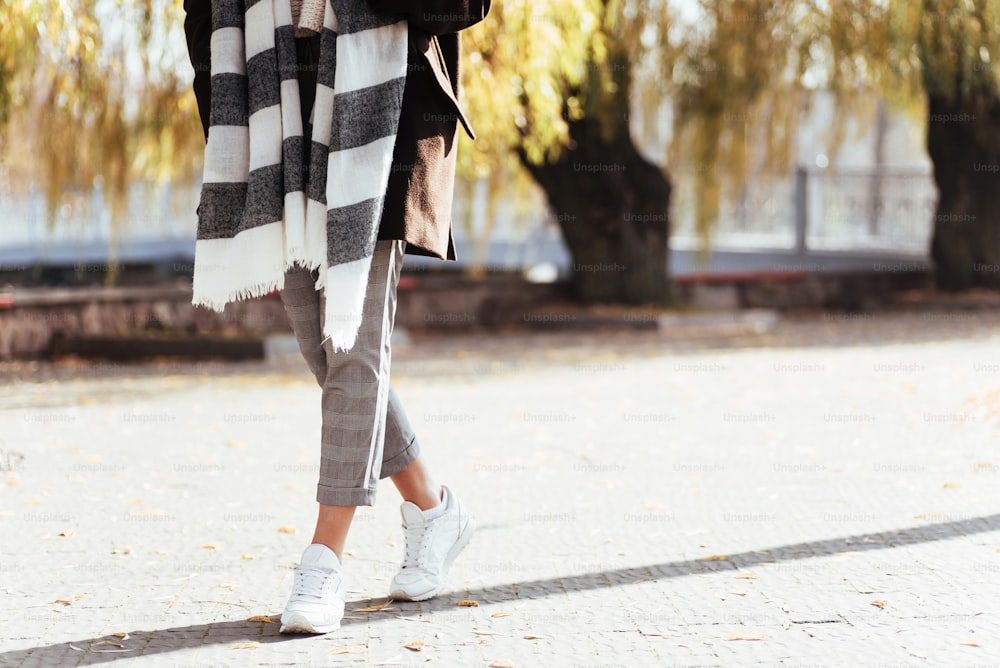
(823, 494)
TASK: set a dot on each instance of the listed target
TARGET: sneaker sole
(463, 540)
(300, 624)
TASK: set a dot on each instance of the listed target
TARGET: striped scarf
(264, 208)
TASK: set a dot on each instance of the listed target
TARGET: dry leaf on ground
(531, 637)
(746, 636)
(122, 635)
(739, 592)
(374, 608)
(501, 664)
(501, 614)
(245, 645)
(121, 549)
(951, 485)
(347, 649)
(714, 557)
(416, 645)
(247, 557)
(969, 643)
(468, 603)
(287, 529)
(70, 601)
(878, 604)
(260, 618)
(210, 546)
(746, 576)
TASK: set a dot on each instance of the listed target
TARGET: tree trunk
(963, 140)
(612, 207)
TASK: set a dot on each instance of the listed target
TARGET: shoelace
(314, 582)
(416, 543)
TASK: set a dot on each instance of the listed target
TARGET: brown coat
(421, 184)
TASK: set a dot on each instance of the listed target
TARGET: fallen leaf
(746, 636)
(879, 604)
(122, 635)
(969, 643)
(121, 549)
(374, 608)
(70, 601)
(951, 485)
(739, 592)
(489, 633)
(468, 603)
(245, 645)
(247, 557)
(501, 614)
(260, 618)
(347, 649)
(501, 664)
(103, 651)
(531, 637)
(229, 585)
(715, 557)
(287, 529)
(746, 576)
(416, 645)
(210, 546)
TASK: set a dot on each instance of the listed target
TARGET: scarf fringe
(241, 293)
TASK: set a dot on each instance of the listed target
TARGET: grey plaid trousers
(365, 435)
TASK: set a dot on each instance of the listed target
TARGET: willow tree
(548, 86)
(747, 70)
(95, 92)
(957, 48)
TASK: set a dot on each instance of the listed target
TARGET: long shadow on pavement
(198, 635)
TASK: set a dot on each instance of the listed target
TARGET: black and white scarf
(261, 211)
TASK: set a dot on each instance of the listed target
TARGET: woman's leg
(416, 485)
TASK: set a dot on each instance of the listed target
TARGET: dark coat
(421, 184)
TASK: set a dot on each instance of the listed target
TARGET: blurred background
(660, 154)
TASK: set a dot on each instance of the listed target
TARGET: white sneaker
(318, 595)
(431, 547)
